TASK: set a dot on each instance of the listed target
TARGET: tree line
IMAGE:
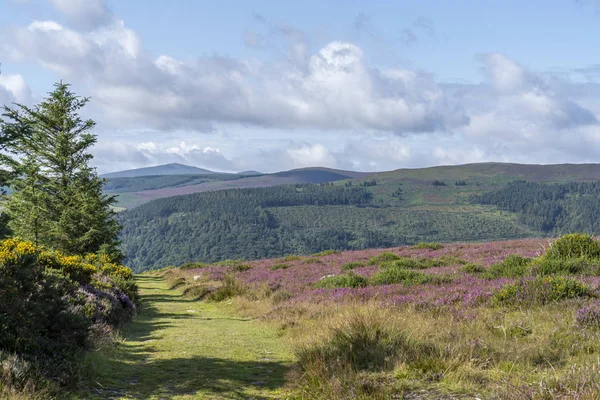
(550, 208)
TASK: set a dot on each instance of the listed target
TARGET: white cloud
(14, 89)
(85, 14)
(335, 89)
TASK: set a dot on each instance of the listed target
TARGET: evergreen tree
(57, 198)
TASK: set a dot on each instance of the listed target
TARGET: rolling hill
(133, 192)
(403, 207)
(166, 169)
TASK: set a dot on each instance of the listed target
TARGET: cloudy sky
(274, 85)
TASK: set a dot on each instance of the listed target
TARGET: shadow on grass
(213, 377)
(131, 371)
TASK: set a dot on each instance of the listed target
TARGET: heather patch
(589, 316)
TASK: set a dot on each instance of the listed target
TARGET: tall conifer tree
(57, 198)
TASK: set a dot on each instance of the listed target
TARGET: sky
(276, 85)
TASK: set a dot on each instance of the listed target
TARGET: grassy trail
(182, 349)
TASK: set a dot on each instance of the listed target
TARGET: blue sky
(272, 85)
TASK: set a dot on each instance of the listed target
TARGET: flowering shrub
(589, 315)
(51, 305)
(574, 245)
(540, 290)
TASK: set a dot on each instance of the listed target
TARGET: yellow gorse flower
(79, 268)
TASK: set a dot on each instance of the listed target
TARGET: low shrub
(193, 265)
(412, 263)
(574, 245)
(311, 260)
(552, 266)
(279, 266)
(351, 265)
(514, 266)
(280, 296)
(325, 253)
(197, 292)
(589, 316)
(428, 246)
(394, 275)
(349, 280)
(471, 268)
(240, 267)
(229, 263)
(291, 258)
(230, 288)
(383, 257)
(539, 291)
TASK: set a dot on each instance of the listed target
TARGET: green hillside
(394, 208)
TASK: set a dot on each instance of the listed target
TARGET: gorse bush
(540, 291)
(351, 265)
(394, 275)
(429, 246)
(574, 245)
(383, 257)
(51, 305)
(349, 280)
(513, 266)
(472, 268)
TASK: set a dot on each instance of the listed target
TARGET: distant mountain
(133, 198)
(249, 173)
(167, 169)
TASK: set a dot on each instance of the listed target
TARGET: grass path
(182, 349)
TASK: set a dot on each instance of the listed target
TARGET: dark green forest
(550, 208)
(292, 219)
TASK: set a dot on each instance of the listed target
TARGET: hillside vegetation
(403, 207)
(503, 320)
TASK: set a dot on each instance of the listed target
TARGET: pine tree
(57, 198)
